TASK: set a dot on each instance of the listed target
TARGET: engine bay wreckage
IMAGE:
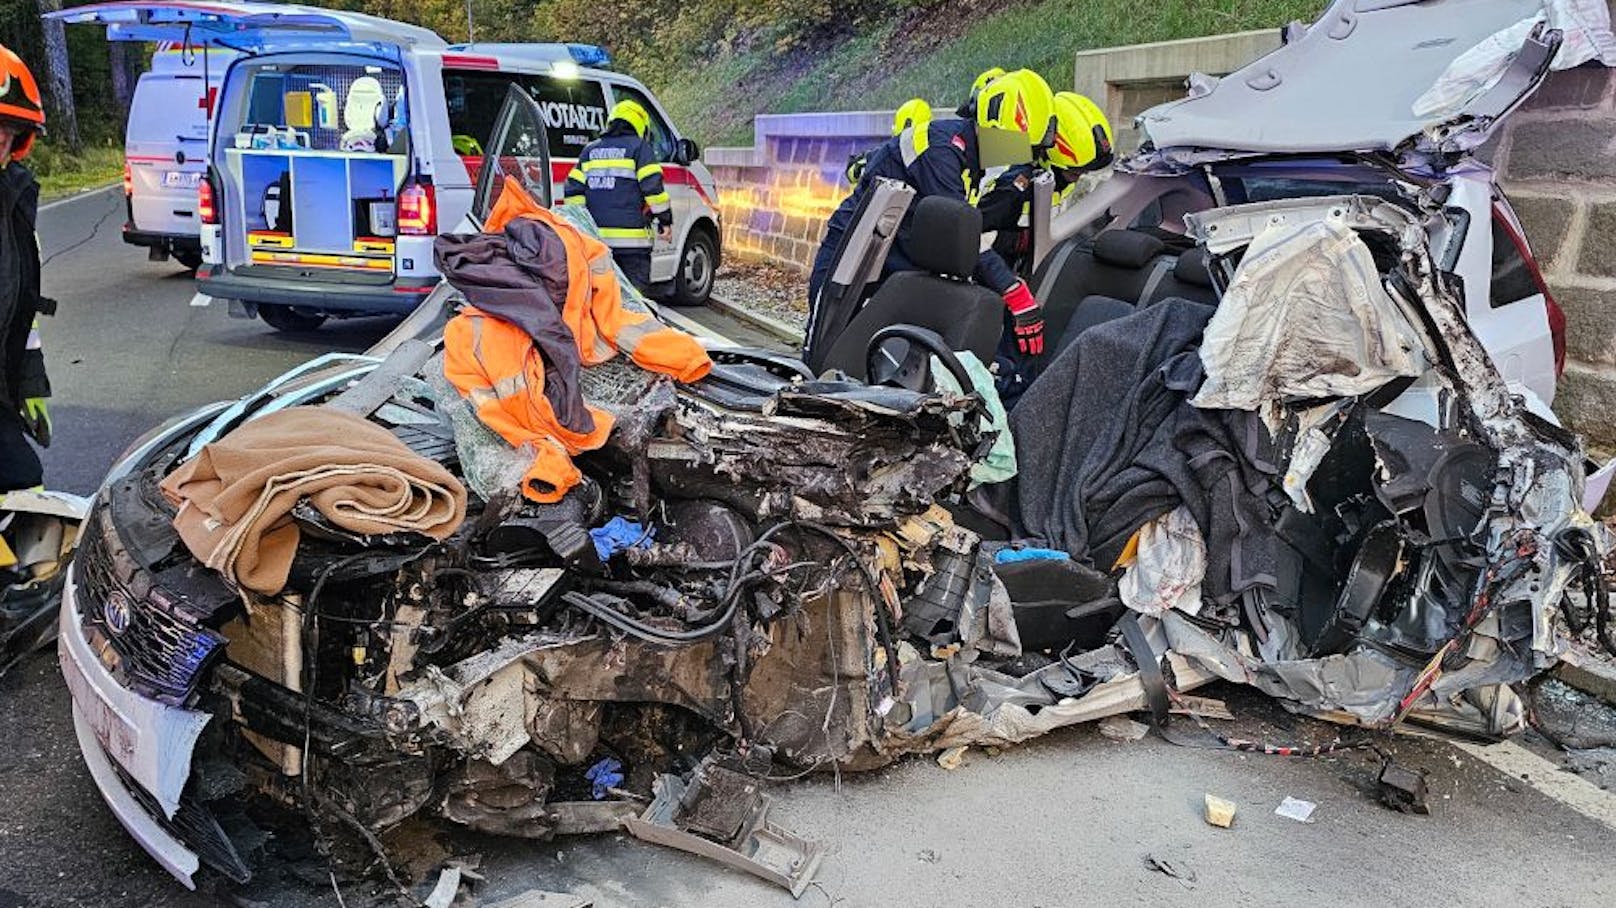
(763, 573)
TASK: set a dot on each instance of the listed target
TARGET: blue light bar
(590, 55)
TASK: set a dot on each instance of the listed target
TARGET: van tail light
(128, 180)
(207, 208)
(417, 210)
(1557, 319)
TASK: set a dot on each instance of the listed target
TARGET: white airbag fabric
(1305, 317)
(1168, 570)
(1585, 25)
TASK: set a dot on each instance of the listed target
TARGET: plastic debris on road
(1296, 809)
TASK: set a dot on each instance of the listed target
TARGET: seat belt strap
(1150, 673)
(1151, 283)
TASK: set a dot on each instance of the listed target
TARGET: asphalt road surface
(1066, 821)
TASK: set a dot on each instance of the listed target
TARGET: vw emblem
(116, 613)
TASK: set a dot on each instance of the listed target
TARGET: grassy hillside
(717, 63)
(931, 50)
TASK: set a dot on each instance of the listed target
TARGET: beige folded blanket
(235, 497)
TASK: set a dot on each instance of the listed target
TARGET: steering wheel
(901, 355)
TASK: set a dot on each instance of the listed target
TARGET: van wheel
(698, 264)
(293, 319)
(191, 260)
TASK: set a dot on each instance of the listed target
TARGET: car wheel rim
(698, 269)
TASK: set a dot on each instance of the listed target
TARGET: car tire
(291, 319)
(192, 260)
(698, 264)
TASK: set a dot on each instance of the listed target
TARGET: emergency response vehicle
(165, 151)
(342, 144)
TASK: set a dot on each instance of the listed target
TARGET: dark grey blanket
(1106, 440)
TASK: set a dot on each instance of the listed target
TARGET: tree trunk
(62, 121)
(121, 61)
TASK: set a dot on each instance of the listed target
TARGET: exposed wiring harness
(311, 665)
(741, 576)
(1577, 545)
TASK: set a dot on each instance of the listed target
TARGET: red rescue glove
(1028, 316)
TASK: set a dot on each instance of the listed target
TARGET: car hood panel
(1349, 83)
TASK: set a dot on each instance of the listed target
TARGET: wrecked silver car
(1315, 482)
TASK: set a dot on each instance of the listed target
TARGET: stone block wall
(776, 195)
(1556, 159)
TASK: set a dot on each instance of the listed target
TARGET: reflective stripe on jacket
(495, 364)
(940, 158)
(619, 178)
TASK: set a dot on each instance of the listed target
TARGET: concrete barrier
(776, 195)
(1126, 81)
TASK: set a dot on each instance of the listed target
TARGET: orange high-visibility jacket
(496, 366)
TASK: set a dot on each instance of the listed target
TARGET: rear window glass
(320, 107)
(1271, 189)
(574, 110)
(1512, 276)
(166, 108)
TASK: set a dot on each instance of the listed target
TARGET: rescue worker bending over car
(1082, 145)
(1009, 120)
(23, 385)
(619, 178)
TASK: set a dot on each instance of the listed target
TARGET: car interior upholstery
(943, 240)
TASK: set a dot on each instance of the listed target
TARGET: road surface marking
(1568, 788)
(79, 197)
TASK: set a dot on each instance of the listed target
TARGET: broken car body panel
(1349, 82)
(804, 592)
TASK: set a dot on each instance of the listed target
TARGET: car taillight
(1557, 332)
(417, 210)
(206, 210)
(128, 180)
(1556, 315)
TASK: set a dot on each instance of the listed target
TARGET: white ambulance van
(165, 154)
(343, 143)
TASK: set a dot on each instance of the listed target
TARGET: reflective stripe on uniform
(617, 167)
(912, 143)
(626, 237)
(504, 388)
(630, 335)
(647, 170)
(657, 201)
(34, 343)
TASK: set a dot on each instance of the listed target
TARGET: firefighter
(983, 79)
(619, 178)
(1082, 145)
(23, 385)
(1009, 121)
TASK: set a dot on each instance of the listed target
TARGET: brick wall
(1556, 159)
(776, 195)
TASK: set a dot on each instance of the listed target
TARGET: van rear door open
(313, 154)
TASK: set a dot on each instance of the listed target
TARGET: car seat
(943, 240)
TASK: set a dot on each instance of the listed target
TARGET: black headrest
(944, 236)
(1194, 267)
(1127, 248)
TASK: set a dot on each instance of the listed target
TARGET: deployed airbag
(1305, 317)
